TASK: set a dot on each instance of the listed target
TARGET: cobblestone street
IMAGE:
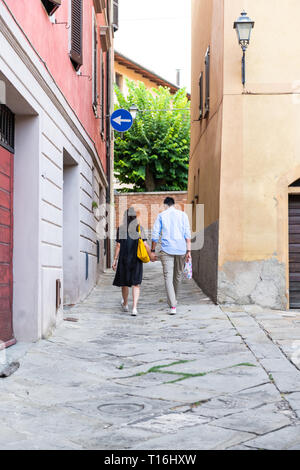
(208, 378)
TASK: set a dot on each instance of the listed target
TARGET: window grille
(7, 128)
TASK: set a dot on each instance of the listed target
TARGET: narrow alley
(207, 378)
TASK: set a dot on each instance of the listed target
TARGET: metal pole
(244, 67)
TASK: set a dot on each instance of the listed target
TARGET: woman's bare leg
(135, 295)
(125, 294)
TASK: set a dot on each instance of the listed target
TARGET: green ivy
(154, 154)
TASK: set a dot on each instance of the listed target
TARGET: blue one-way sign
(121, 120)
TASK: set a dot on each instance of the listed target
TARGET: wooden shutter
(116, 15)
(102, 95)
(201, 96)
(95, 77)
(207, 82)
(105, 38)
(76, 34)
(99, 5)
(51, 6)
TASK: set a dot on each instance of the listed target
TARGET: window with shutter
(99, 5)
(102, 95)
(105, 37)
(207, 82)
(119, 81)
(76, 34)
(51, 6)
(95, 70)
(201, 96)
(116, 15)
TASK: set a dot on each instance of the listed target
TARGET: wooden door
(6, 246)
(294, 250)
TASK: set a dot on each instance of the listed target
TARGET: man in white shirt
(174, 228)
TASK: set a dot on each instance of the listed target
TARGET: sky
(156, 34)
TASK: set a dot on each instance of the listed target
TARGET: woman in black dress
(128, 267)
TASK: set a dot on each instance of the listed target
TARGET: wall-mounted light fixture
(243, 27)
(133, 111)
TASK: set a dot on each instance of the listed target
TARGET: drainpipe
(108, 151)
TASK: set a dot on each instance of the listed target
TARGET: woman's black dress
(130, 267)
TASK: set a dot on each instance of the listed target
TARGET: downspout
(108, 153)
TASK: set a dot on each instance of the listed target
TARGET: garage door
(294, 250)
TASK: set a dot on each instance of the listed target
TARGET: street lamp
(133, 111)
(244, 26)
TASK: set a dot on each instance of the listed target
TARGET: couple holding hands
(173, 227)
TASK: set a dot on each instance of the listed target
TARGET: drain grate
(120, 409)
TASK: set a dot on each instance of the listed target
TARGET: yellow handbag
(142, 253)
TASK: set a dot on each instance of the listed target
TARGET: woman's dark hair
(129, 226)
(129, 216)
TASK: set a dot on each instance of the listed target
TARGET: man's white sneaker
(124, 307)
(134, 312)
(172, 311)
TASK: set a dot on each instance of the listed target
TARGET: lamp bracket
(63, 22)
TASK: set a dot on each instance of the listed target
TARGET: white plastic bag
(188, 270)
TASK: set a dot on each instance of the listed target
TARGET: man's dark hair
(169, 201)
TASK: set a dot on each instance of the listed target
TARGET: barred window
(7, 128)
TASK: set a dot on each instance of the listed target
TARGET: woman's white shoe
(124, 307)
(134, 312)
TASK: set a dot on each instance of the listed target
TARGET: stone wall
(253, 282)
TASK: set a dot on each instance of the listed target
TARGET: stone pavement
(208, 378)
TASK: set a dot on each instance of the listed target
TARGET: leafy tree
(154, 154)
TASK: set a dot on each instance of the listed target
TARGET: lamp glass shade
(244, 31)
(244, 26)
(133, 111)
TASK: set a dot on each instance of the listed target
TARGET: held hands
(115, 264)
(153, 257)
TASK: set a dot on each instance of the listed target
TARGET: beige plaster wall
(260, 145)
(205, 154)
(260, 136)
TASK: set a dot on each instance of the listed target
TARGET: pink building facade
(56, 72)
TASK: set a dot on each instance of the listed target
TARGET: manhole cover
(120, 409)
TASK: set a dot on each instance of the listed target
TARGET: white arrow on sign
(119, 120)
